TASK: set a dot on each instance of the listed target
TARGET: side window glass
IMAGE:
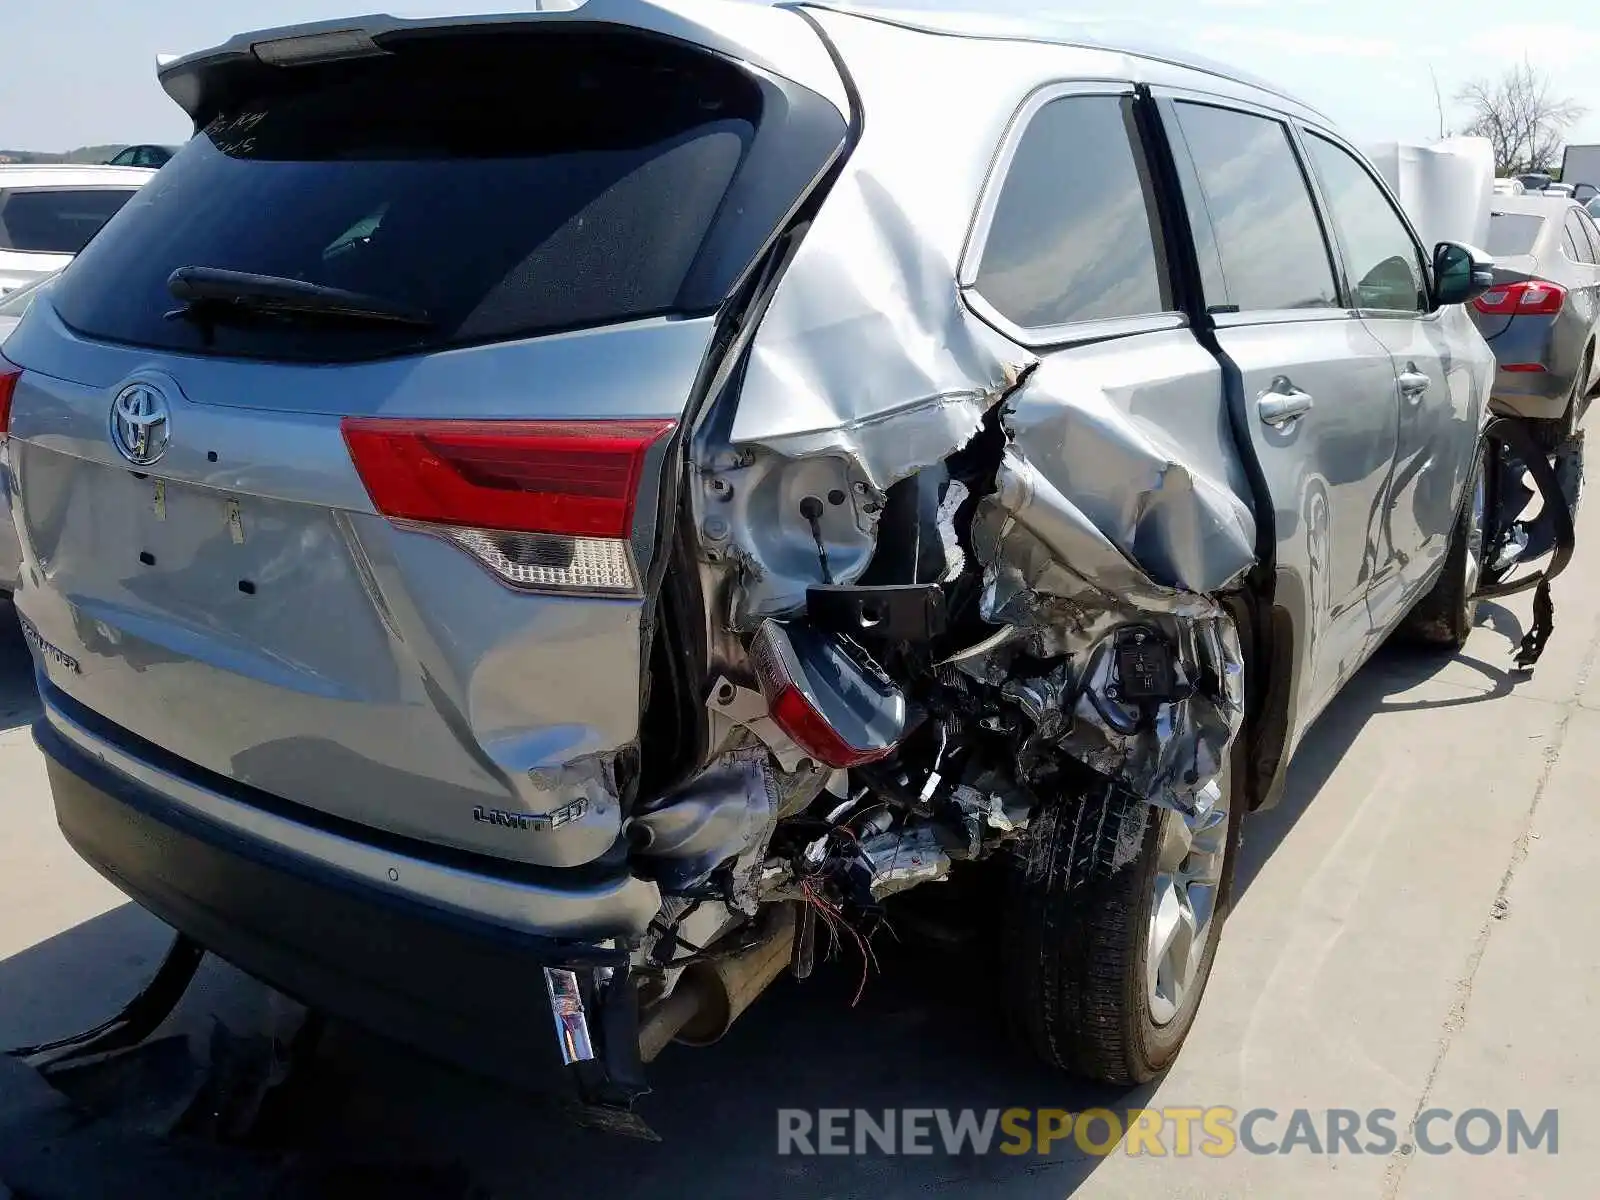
(1570, 243)
(1579, 236)
(1586, 223)
(1383, 259)
(1253, 196)
(1074, 235)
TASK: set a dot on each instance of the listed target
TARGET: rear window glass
(56, 220)
(1513, 233)
(502, 186)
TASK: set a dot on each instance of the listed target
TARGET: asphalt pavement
(1410, 936)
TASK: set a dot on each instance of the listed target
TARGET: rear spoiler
(775, 40)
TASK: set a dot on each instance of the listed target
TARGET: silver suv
(593, 504)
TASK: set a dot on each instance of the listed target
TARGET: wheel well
(1268, 635)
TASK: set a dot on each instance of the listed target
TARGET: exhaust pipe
(712, 995)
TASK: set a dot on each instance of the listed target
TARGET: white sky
(82, 72)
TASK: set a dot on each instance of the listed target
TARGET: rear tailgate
(396, 572)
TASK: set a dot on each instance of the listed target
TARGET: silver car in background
(597, 512)
(1542, 315)
(48, 213)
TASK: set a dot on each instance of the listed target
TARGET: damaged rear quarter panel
(1120, 496)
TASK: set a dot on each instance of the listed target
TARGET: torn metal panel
(866, 349)
(1099, 523)
(889, 446)
(865, 367)
(1089, 476)
(1113, 503)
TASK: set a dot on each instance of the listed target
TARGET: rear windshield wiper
(210, 294)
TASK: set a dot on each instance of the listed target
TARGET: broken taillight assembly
(9, 374)
(834, 705)
(1529, 297)
(545, 505)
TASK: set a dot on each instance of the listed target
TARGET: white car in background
(12, 306)
(15, 303)
(49, 212)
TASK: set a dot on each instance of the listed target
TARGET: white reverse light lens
(554, 562)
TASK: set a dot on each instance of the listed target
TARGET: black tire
(1075, 945)
(1444, 617)
(1553, 434)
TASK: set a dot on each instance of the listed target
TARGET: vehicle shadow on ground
(927, 1033)
(1394, 670)
(19, 699)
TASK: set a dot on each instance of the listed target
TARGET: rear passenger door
(1318, 387)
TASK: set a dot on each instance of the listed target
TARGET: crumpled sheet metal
(866, 361)
(1082, 468)
(726, 809)
(1171, 761)
(867, 352)
(868, 355)
(1098, 522)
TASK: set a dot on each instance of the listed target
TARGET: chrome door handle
(1279, 408)
(1412, 384)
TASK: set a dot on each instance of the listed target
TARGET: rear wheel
(1445, 616)
(1112, 918)
(1552, 435)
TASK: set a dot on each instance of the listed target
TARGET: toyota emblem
(140, 423)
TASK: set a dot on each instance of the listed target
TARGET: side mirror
(1584, 191)
(1460, 273)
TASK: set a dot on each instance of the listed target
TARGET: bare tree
(1438, 104)
(1521, 116)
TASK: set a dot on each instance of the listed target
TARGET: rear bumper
(1541, 395)
(469, 990)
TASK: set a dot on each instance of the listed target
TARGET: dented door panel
(1132, 434)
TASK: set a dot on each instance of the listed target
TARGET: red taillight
(808, 729)
(877, 716)
(544, 504)
(1530, 297)
(9, 374)
(569, 477)
(1524, 368)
